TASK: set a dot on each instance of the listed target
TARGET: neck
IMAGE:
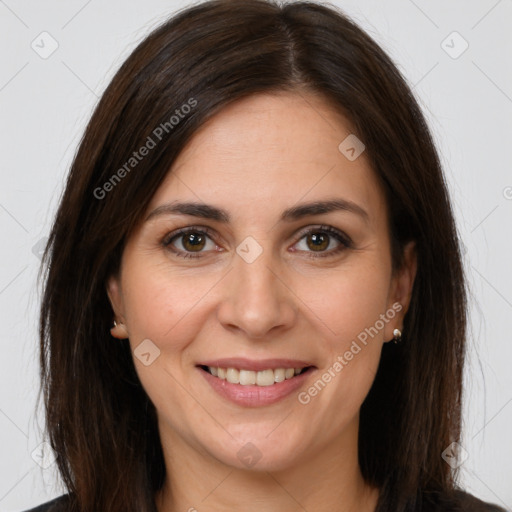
(324, 481)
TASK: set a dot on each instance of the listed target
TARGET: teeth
(233, 375)
(279, 374)
(265, 378)
(249, 377)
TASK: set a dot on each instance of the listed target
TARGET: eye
(319, 239)
(189, 241)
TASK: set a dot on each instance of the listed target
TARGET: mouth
(250, 383)
(262, 378)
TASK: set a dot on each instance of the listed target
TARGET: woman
(254, 296)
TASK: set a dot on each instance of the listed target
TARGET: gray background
(45, 103)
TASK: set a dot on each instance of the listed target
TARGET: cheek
(347, 309)
(168, 309)
(345, 302)
(164, 306)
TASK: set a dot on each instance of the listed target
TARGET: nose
(257, 299)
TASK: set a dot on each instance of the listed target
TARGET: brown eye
(189, 242)
(317, 242)
(193, 241)
(324, 241)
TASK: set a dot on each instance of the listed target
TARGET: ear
(401, 289)
(114, 293)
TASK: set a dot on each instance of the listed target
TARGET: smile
(249, 383)
(267, 377)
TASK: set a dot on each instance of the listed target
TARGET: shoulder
(471, 503)
(59, 504)
(455, 501)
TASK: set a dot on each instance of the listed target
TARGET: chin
(260, 452)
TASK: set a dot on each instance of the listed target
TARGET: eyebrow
(207, 211)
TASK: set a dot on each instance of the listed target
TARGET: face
(261, 285)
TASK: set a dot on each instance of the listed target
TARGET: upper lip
(241, 363)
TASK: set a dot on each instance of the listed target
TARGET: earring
(397, 336)
(118, 330)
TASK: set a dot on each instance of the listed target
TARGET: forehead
(281, 147)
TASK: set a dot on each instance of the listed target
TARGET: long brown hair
(100, 422)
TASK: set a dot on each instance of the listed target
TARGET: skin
(284, 304)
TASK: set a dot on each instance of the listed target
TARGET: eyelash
(345, 241)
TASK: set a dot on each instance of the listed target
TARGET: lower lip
(255, 396)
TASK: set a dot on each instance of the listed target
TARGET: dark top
(57, 504)
(467, 503)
